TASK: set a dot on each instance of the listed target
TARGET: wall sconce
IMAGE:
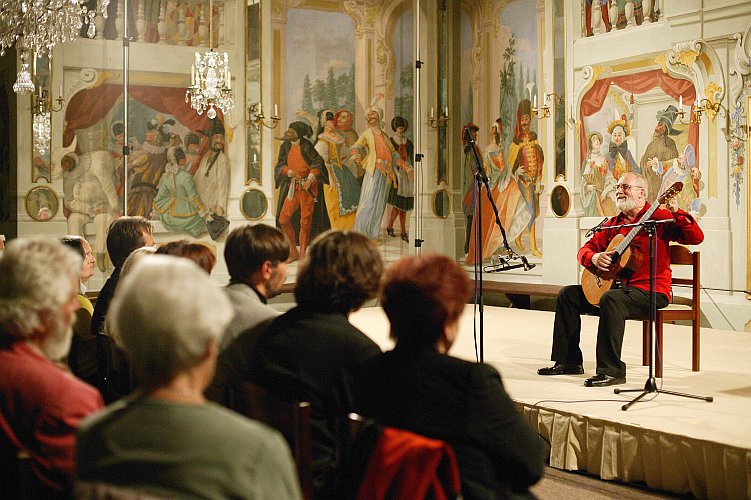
(257, 120)
(701, 105)
(439, 122)
(42, 104)
(544, 111)
(704, 106)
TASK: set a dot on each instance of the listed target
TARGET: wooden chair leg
(695, 331)
(658, 354)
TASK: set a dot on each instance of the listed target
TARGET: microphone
(508, 263)
(596, 228)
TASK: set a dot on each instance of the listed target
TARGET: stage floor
(671, 443)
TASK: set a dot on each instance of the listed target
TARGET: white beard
(57, 344)
(625, 205)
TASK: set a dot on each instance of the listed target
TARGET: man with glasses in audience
(628, 300)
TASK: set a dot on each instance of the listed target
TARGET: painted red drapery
(639, 83)
(89, 106)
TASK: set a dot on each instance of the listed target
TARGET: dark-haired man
(256, 258)
(123, 236)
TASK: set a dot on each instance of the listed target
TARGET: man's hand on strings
(603, 260)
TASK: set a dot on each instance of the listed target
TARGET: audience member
(197, 252)
(256, 258)
(40, 403)
(82, 358)
(166, 440)
(307, 353)
(123, 236)
(418, 387)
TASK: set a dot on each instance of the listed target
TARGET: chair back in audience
(291, 419)
(388, 463)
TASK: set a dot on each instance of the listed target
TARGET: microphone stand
(481, 179)
(650, 387)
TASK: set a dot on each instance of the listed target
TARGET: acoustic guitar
(596, 282)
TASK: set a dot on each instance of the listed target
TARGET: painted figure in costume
(505, 194)
(116, 150)
(342, 193)
(299, 174)
(681, 169)
(620, 160)
(177, 202)
(598, 184)
(374, 152)
(90, 196)
(468, 179)
(146, 167)
(662, 149)
(213, 175)
(402, 197)
(526, 160)
(192, 152)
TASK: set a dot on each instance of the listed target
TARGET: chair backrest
(398, 464)
(291, 419)
(682, 256)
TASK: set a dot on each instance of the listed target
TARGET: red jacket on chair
(405, 465)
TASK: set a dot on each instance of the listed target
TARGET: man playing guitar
(629, 300)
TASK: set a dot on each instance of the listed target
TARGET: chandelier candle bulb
(276, 110)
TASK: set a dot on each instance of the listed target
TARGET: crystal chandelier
(38, 25)
(210, 80)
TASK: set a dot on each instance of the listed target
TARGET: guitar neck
(623, 245)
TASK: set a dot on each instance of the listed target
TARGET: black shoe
(602, 380)
(390, 231)
(405, 237)
(562, 369)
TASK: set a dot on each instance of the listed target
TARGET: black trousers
(616, 306)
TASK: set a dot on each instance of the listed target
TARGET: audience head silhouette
(38, 294)
(125, 235)
(159, 345)
(197, 252)
(340, 271)
(423, 298)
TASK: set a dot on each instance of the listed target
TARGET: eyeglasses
(627, 187)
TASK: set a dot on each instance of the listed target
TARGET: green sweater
(181, 450)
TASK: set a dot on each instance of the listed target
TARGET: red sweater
(685, 230)
(40, 408)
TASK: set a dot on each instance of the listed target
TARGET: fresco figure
(342, 193)
(682, 169)
(526, 160)
(661, 149)
(146, 167)
(374, 152)
(177, 202)
(90, 196)
(598, 184)
(213, 175)
(468, 179)
(620, 160)
(505, 194)
(299, 174)
(402, 197)
(192, 152)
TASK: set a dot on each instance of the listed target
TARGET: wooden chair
(291, 419)
(678, 309)
(387, 463)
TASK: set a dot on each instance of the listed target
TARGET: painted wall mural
(514, 159)
(632, 123)
(178, 171)
(345, 160)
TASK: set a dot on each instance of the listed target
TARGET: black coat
(461, 403)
